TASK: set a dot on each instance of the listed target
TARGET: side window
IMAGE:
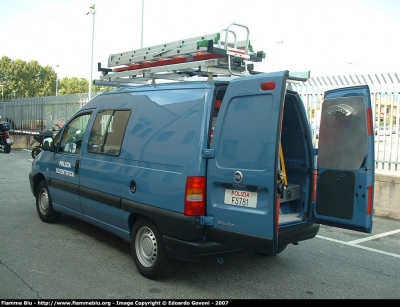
(71, 139)
(108, 132)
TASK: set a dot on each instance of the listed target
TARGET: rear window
(247, 133)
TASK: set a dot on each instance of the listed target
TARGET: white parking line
(351, 243)
(384, 234)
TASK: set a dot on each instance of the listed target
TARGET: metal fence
(32, 115)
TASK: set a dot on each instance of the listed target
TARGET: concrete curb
(387, 195)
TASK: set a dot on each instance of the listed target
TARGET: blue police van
(223, 162)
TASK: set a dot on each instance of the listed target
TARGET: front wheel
(7, 148)
(44, 204)
(148, 250)
(35, 152)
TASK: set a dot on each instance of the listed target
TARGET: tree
(33, 80)
(73, 86)
(26, 79)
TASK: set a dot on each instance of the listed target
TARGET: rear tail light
(314, 191)
(267, 85)
(370, 199)
(369, 122)
(278, 212)
(195, 195)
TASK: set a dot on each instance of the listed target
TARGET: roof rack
(206, 55)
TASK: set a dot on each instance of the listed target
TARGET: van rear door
(346, 165)
(242, 176)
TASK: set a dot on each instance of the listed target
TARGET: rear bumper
(237, 243)
(297, 233)
(197, 250)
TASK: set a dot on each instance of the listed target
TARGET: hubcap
(146, 246)
(44, 202)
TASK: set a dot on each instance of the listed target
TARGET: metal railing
(32, 115)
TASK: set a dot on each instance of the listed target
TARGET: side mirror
(48, 144)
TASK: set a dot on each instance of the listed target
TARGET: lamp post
(141, 42)
(14, 93)
(91, 11)
(56, 82)
(2, 92)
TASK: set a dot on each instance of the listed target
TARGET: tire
(148, 251)
(35, 152)
(44, 204)
(7, 148)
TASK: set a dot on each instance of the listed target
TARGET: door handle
(340, 177)
(77, 162)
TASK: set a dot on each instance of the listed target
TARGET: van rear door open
(346, 170)
(242, 177)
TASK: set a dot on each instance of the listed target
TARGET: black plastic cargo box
(5, 126)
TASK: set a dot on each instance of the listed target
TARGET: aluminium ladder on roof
(205, 55)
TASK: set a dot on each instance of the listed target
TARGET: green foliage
(72, 86)
(32, 80)
(26, 79)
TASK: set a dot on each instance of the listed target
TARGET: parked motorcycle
(5, 141)
(39, 138)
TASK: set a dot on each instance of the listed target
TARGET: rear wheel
(44, 204)
(7, 148)
(148, 250)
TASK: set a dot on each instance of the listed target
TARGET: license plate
(240, 198)
(8, 141)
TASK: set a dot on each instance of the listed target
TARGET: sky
(325, 37)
